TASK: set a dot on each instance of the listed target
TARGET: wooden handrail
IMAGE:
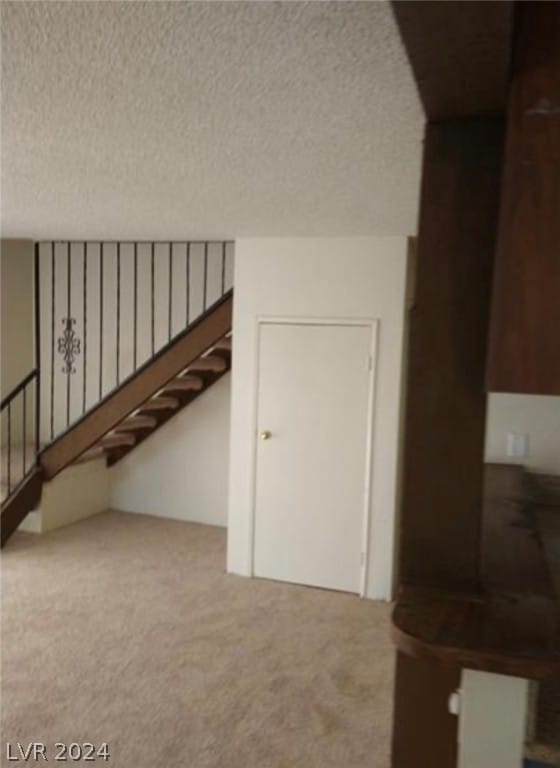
(19, 387)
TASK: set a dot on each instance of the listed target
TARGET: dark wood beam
(446, 408)
(459, 52)
(525, 336)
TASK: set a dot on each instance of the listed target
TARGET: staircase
(175, 377)
(166, 383)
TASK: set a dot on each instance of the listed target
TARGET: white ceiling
(206, 119)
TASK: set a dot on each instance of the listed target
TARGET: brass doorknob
(265, 434)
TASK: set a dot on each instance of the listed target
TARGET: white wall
(79, 492)
(537, 416)
(181, 471)
(17, 307)
(327, 278)
(17, 345)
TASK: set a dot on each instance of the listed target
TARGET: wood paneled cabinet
(524, 350)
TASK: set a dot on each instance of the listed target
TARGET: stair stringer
(139, 388)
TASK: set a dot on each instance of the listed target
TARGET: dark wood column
(446, 409)
(424, 733)
(525, 339)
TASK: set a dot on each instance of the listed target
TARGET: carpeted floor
(125, 629)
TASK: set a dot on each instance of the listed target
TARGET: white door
(312, 448)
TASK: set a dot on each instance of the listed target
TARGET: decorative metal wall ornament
(69, 345)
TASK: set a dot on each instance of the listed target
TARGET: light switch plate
(516, 444)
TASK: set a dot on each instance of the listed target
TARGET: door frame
(373, 325)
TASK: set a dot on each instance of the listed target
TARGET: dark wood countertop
(510, 624)
(507, 633)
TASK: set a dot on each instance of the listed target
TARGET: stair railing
(19, 417)
(107, 308)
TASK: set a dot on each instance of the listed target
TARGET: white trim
(311, 320)
(368, 497)
(254, 425)
(373, 324)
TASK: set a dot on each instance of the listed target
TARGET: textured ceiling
(222, 119)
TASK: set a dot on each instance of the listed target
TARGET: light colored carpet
(125, 629)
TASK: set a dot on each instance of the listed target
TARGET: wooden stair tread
(223, 345)
(184, 384)
(138, 422)
(116, 439)
(209, 363)
(160, 403)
